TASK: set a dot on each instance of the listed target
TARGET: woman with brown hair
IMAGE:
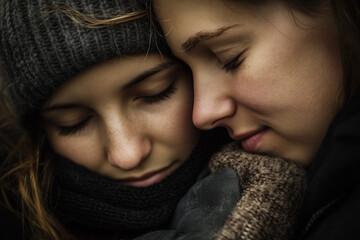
(283, 78)
(108, 146)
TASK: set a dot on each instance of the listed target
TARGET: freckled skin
(126, 136)
(288, 78)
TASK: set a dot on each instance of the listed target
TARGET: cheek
(174, 128)
(83, 151)
(297, 75)
(179, 120)
(295, 96)
(182, 120)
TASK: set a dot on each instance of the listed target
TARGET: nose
(212, 102)
(127, 147)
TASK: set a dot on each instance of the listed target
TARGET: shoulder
(340, 219)
(331, 207)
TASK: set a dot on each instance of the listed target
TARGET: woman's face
(127, 119)
(270, 77)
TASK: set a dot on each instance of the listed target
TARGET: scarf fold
(83, 198)
(272, 192)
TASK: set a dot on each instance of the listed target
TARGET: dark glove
(203, 211)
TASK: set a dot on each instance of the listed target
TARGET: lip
(148, 178)
(251, 141)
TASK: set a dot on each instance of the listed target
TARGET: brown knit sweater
(272, 193)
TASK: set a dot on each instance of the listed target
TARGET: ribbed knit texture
(273, 189)
(40, 49)
(86, 201)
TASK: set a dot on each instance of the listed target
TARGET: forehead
(107, 78)
(181, 20)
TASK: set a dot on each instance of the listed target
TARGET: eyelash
(233, 63)
(71, 130)
(166, 94)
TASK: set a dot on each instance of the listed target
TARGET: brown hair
(26, 173)
(26, 177)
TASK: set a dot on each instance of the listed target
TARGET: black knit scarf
(85, 200)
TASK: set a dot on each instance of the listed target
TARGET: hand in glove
(202, 212)
(272, 190)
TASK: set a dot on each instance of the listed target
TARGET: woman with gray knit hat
(109, 147)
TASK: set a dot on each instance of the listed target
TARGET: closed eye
(166, 94)
(233, 64)
(71, 130)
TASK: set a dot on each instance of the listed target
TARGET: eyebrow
(202, 36)
(130, 84)
(144, 75)
(61, 107)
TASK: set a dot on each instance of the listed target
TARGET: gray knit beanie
(41, 49)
